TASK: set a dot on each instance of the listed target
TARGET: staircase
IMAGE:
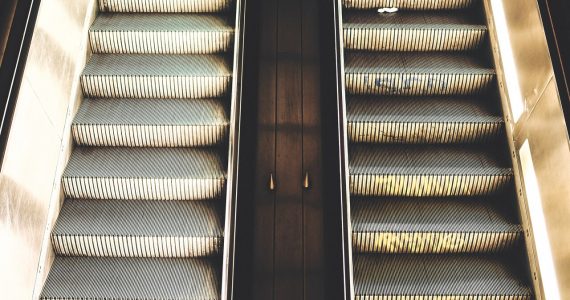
(433, 210)
(143, 215)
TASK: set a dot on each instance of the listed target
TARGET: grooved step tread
(161, 22)
(430, 215)
(127, 228)
(139, 218)
(161, 34)
(164, 6)
(157, 65)
(422, 109)
(480, 276)
(417, 63)
(408, 4)
(153, 112)
(412, 20)
(418, 120)
(151, 122)
(154, 163)
(426, 160)
(132, 278)
(417, 73)
(432, 225)
(412, 31)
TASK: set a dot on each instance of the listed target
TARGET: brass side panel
(538, 128)
(530, 49)
(547, 138)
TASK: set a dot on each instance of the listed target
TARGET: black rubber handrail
(556, 26)
(234, 155)
(343, 153)
(13, 64)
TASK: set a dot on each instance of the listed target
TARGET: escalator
(432, 210)
(147, 184)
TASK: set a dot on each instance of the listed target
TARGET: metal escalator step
(151, 122)
(440, 225)
(164, 6)
(422, 120)
(409, 4)
(126, 228)
(414, 277)
(160, 33)
(416, 73)
(412, 31)
(156, 76)
(144, 173)
(426, 170)
(132, 278)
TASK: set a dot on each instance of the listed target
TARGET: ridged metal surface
(124, 228)
(430, 180)
(144, 173)
(132, 278)
(409, 4)
(427, 225)
(151, 122)
(156, 76)
(160, 34)
(412, 31)
(419, 171)
(414, 277)
(423, 120)
(416, 74)
(164, 6)
(153, 126)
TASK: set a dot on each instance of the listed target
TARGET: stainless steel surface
(79, 231)
(22, 221)
(409, 4)
(434, 225)
(537, 133)
(551, 156)
(151, 123)
(173, 278)
(530, 51)
(179, 6)
(411, 31)
(395, 186)
(153, 33)
(434, 120)
(39, 144)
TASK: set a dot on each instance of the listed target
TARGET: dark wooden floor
(284, 255)
(287, 237)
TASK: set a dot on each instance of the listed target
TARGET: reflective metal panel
(22, 220)
(538, 140)
(39, 144)
(545, 133)
(530, 49)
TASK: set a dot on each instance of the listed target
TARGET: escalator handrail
(13, 64)
(555, 25)
(228, 260)
(343, 153)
